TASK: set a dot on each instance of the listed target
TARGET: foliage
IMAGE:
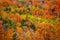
(29, 19)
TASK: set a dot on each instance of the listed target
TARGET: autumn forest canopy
(29, 19)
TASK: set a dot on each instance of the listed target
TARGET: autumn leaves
(29, 20)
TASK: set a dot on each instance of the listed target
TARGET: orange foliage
(46, 9)
(10, 34)
(1, 31)
(17, 17)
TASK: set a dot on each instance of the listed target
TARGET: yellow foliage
(4, 15)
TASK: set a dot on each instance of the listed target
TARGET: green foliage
(20, 12)
(33, 7)
(44, 20)
(53, 22)
(14, 37)
(33, 27)
(9, 23)
(15, 11)
(23, 23)
(0, 17)
(7, 9)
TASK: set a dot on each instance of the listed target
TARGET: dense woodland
(29, 19)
